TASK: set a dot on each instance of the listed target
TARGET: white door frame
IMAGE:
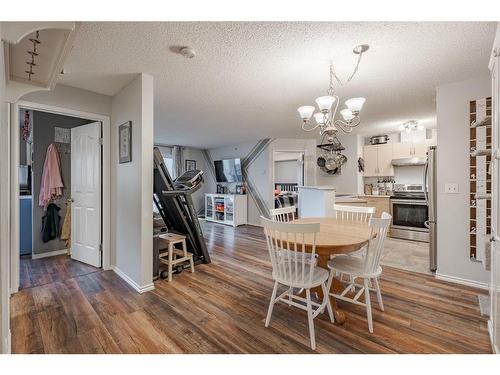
(14, 194)
(303, 152)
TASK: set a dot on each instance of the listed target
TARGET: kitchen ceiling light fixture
(411, 125)
(328, 105)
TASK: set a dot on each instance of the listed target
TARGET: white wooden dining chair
(357, 214)
(354, 213)
(284, 214)
(366, 268)
(295, 270)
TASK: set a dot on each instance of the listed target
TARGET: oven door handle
(427, 224)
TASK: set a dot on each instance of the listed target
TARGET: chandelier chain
(334, 75)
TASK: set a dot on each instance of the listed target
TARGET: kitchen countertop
(325, 187)
(352, 199)
(374, 196)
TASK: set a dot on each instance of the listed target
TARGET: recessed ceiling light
(187, 52)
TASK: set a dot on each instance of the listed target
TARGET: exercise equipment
(175, 205)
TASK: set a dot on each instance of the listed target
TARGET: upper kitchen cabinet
(412, 149)
(378, 160)
(402, 150)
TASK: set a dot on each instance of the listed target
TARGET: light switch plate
(451, 188)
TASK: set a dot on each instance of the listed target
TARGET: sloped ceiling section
(35, 54)
(48, 44)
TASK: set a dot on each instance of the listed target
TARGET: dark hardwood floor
(36, 272)
(222, 306)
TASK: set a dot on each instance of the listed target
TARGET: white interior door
(86, 194)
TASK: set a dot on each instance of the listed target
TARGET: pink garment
(52, 184)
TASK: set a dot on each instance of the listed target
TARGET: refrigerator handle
(426, 170)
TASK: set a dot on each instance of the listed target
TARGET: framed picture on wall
(125, 142)
(190, 165)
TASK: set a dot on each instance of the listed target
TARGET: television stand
(229, 209)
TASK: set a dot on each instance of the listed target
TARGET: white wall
(132, 184)
(73, 98)
(4, 213)
(286, 171)
(453, 167)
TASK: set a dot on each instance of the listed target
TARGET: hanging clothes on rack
(66, 227)
(50, 223)
(52, 184)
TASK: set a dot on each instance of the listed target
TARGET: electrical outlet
(451, 188)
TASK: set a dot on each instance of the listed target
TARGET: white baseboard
(490, 331)
(459, 280)
(132, 283)
(49, 254)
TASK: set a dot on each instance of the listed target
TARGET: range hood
(405, 162)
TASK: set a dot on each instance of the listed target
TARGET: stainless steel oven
(409, 214)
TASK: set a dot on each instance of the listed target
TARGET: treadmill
(175, 205)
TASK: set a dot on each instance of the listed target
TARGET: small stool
(172, 253)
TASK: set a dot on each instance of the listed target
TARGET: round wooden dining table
(336, 236)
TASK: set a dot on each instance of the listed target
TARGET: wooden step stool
(175, 256)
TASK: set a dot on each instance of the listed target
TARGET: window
(169, 163)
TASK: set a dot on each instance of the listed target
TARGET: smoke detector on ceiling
(187, 52)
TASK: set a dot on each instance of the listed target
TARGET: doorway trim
(304, 174)
(14, 187)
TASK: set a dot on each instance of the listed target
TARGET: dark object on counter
(50, 223)
(379, 139)
(321, 162)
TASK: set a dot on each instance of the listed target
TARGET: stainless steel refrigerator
(430, 190)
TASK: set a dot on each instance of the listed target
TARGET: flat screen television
(228, 170)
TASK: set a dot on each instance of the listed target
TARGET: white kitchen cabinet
(411, 149)
(371, 160)
(401, 150)
(378, 160)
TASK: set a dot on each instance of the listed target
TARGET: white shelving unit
(229, 209)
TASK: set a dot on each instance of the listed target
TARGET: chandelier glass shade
(328, 105)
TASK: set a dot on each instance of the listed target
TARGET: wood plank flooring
(222, 306)
(36, 272)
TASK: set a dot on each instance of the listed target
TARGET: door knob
(426, 224)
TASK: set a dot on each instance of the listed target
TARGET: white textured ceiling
(248, 78)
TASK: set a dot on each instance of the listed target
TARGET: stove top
(409, 191)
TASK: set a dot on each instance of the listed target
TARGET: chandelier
(409, 126)
(328, 105)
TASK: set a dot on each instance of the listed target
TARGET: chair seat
(352, 265)
(320, 275)
(291, 254)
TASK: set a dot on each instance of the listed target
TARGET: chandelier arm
(333, 75)
(354, 122)
(344, 126)
(308, 130)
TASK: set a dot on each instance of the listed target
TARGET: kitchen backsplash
(402, 175)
